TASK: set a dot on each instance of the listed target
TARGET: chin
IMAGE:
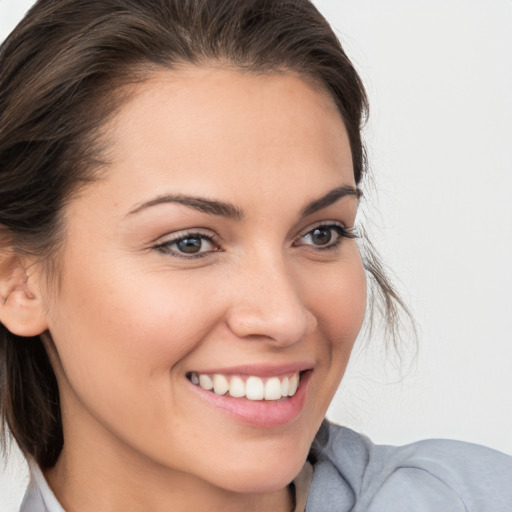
(263, 470)
(266, 479)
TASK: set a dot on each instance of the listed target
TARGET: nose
(267, 304)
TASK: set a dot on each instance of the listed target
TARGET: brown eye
(321, 235)
(191, 245)
(325, 236)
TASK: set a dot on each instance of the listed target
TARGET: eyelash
(165, 247)
(342, 232)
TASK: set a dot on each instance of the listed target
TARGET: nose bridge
(268, 302)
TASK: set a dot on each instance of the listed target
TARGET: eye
(325, 236)
(189, 245)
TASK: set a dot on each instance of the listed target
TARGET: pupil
(189, 245)
(321, 236)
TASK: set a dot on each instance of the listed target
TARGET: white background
(439, 78)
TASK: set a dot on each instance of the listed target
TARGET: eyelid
(164, 244)
(350, 230)
(347, 232)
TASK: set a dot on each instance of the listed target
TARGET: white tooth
(285, 386)
(273, 389)
(237, 387)
(254, 389)
(294, 384)
(220, 384)
(194, 378)
(205, 382)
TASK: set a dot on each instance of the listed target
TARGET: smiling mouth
(250, 387)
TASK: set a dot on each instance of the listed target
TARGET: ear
(21, 307)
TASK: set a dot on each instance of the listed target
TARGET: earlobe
(21, 307)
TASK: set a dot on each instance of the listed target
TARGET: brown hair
(62, 71)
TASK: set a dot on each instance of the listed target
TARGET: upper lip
(260, 370)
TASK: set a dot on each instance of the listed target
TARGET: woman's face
(211, 252)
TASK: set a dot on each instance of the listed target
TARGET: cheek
(109, 327)
(338, 301)
(120, 343)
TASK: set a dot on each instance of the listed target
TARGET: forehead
(204, 124)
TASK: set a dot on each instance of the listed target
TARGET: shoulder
(39, 497)
(352, 473)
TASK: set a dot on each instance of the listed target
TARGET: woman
(181, 280)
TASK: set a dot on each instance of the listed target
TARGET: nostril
(282, 328)
(270, 307)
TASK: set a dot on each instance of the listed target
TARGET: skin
(131, 319)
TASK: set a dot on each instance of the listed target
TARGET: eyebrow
(330, 198)
(201, 204)
(222, 209)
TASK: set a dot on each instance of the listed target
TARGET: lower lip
(260, 413)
